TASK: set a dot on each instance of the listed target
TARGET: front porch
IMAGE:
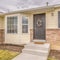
(50, 35)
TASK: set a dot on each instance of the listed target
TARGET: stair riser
(37, 48)
(35, 53)
(37, 45)
(38, 51)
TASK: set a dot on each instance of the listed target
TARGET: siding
(19, 38)
(2, 22)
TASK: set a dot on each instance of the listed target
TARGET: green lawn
(7, 55)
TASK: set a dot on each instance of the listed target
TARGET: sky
(13, 5)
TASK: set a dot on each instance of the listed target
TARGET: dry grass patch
(7, 55)
(52, 59)
(54, 55)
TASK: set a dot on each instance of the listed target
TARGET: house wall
(13, 38)
(25, 37)
(2, 28)
(52, 29)
(1, 22)
(19, 38)
(51, 21)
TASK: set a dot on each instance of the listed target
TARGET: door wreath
(39, 23)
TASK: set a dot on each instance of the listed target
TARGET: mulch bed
(55, 54)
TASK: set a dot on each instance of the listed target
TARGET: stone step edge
(42, 48)
(35, 50)
(34, 45)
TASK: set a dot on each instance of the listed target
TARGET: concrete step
(44, 47)
(36, 48)
(35, 52)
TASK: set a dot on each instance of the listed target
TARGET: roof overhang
(32, 9)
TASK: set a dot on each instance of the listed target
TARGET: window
(24, 25)
(59, 19)
(12, 24)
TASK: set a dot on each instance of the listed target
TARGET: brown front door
(39, 26)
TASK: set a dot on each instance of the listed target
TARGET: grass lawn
(51, 58)
(7, 55)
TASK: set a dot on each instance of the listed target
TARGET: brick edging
(12, 47)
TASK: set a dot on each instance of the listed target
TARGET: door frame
(45, 29)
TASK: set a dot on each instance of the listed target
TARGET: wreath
(39, 23)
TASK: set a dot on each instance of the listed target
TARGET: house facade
(31, 25)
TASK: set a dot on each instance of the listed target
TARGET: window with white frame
(12, 24)
(24, 24)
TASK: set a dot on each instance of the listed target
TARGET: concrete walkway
(34, 52)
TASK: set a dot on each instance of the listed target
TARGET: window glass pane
(24, 20)
(24, 28)
(8, 20)
(12, 24)
(59, 19)
(15, 20)
(24, 24)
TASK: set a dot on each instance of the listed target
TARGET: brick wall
(53, 37)
(2, 37)
(31, 35)
(12, 47)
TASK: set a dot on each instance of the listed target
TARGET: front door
(39, 26)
